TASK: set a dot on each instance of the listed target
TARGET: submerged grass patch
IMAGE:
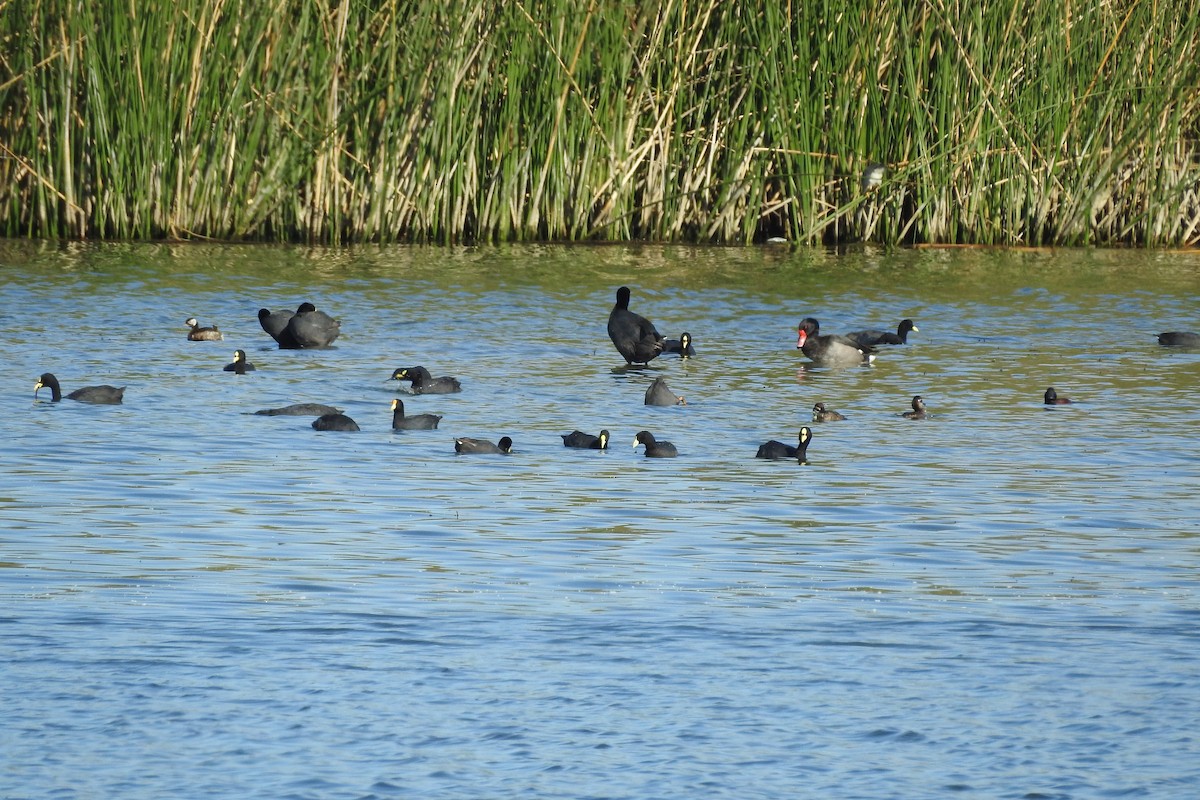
(1051, 123)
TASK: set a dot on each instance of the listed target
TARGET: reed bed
(999, 123)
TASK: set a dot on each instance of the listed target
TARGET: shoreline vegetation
(1050, 123)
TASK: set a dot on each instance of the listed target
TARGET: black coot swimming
(240, 365)
(681, 346)
(424, 383)
(871, 338)
(776, 449)
(100, 395)
(465, 444)
(654, 448)
(417, 422)
(585, 441)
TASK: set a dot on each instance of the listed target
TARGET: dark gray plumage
(465, 444)
(334, 422)
(654, 448)
(776, 449)
(871, 338)
(681, 346)
(299, 410)
(417, 422)
(275, 323)
(423, 383)
(310, 328)
(98, 395)
(240, 365)
(634, 336)
(830, 349)
(1179, 339)
(659, 394)
(1051, 398)
(585, 441)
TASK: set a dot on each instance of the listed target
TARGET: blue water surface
(999, 601)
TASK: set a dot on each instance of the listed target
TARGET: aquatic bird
(466, 444)
(417, 422)
(872, 176)
(830, 349)
(585, 441)
(198, 334)
(424, 383)
(309, 327)
(300, 410)
(1051, 398)
(823, 414)
(654, 448)
(871, 338)
(659, 394)
(103, 394)
(774, 449)
(1179, 339)
(240, 365)
(918, 409)
(275, 323)
(334, 422)
(682, 346)
(634, 336)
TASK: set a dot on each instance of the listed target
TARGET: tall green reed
(999, 123)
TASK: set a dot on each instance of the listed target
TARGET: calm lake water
(1000, 601)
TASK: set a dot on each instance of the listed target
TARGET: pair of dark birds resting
(332, 419)
(422, 383)
(654, 447)
(306, 328)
